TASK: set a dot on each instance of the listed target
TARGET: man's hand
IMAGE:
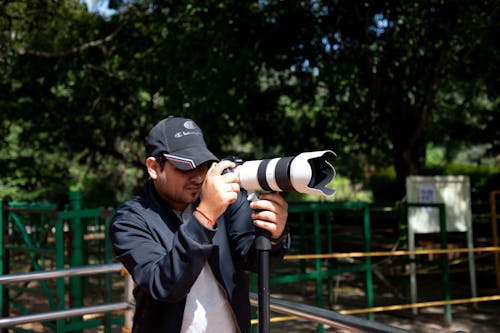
(219, 190)
(271, 213)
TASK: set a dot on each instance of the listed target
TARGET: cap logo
(189, 124)
(179, 135)
(191, 129)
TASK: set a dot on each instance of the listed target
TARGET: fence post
(444, 261)
(494, 232)
(4, 296)
(368, 260)
(77, 253)
(60, 284)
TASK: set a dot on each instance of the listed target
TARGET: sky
(100, 6)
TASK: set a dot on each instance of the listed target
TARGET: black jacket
(165, 257)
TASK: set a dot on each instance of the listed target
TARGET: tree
(397, 75)
(374, 81)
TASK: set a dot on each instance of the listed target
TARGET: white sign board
(453, 191)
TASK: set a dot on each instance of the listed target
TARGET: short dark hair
(161, 160)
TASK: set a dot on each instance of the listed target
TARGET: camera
(307, 173)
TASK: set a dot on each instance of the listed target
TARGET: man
(189, 236)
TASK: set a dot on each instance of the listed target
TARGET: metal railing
(298, 310)
(44, 237)
(328, 317)
(68, 313)
(312, 313)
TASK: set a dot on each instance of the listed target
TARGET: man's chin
(194, 195)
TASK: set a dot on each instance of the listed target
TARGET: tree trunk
(409, 146)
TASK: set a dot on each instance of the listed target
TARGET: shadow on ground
(481, 317)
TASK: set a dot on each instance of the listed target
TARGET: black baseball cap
(180, 141)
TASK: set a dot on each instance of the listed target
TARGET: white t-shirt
(207, 308)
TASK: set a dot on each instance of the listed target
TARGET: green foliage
(483, 178)
(373, 81)
(345, 191)
(27, 165)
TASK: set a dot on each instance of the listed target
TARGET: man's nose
(198, 175)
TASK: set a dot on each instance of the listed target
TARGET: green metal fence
(313, 228)
(52, 238)
(41, 237)
(321, 218)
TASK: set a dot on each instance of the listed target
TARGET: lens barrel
(308, 172)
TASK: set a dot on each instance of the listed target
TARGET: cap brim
(190, 158)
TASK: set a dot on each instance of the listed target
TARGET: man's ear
(153, 167)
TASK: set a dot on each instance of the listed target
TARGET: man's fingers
(223, 165)
(272, 202)
(235, 187)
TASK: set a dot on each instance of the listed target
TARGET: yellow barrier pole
(276, 319)
(389, 253)
(420, 305)
(395, 307)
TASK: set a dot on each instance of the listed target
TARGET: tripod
(263, 246)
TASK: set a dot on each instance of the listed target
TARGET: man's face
(179, 188)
